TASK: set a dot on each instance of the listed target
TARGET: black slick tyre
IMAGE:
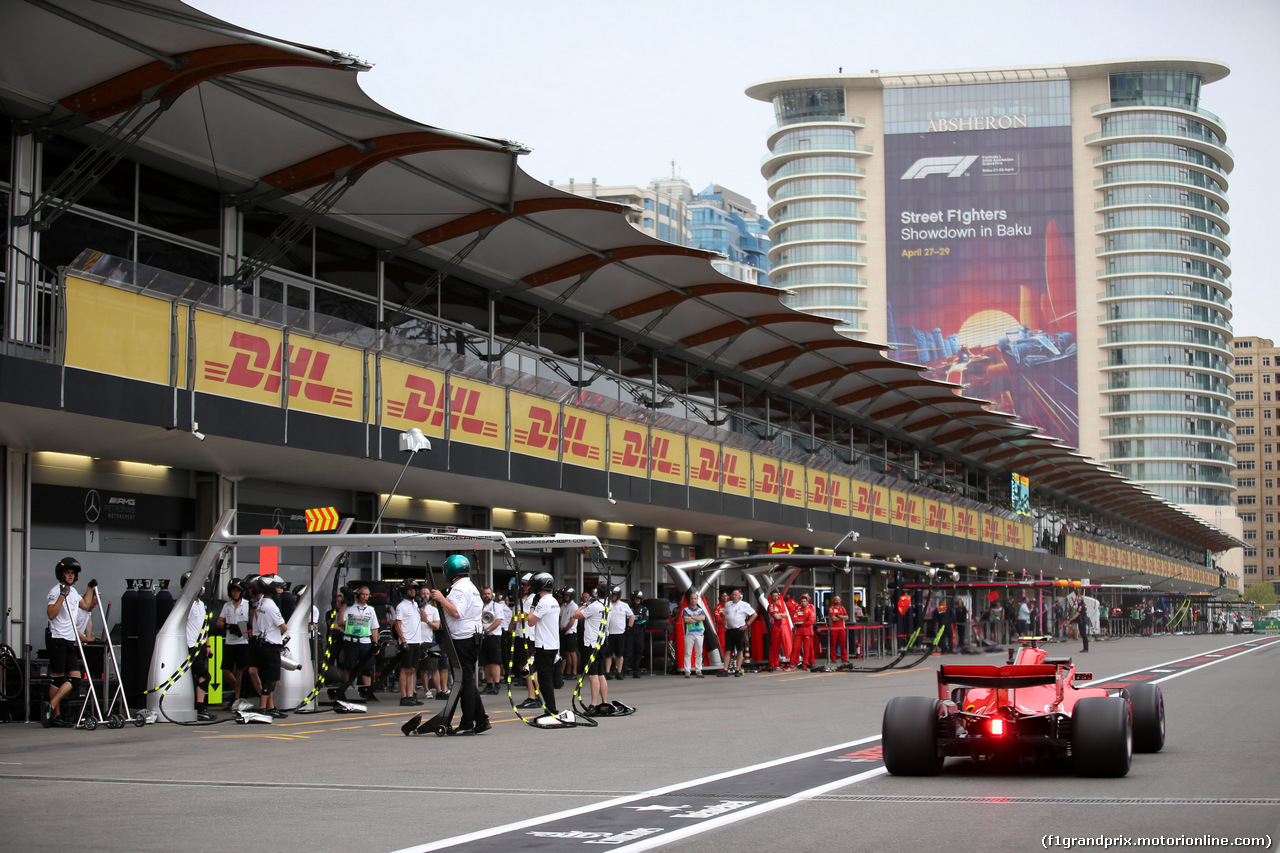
(1102, 736)
(1148, 717)
(909, 736)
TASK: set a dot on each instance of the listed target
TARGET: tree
(1260, 592)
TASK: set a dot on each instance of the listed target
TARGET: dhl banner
(880, 504)
(860, 499)
(628, 448)
(792, 485)
(550, 431)
(768, 477)
(245, 360)
(992, 531)
(705, 465)
(736, 465)
(907, 510)
(828, 492)
(931, 524)
(418, 397)
(237, 359)
(118, 332)
(946, 518)
(718, 468)
(967, 522)
(898, 509)
(667, 455)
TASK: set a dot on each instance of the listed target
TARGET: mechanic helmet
(637, 594)
(526, 578)
(541, 582)
(408, 584)
(569, 593)
(456, 566)
(616, 591)
(182, 581)
(235, 583)
(267, 584)
(67, 563)
(299, 591)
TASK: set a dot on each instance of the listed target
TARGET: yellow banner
(117, 332)
(412, 397)
(768, 477)
(967, 522)
(946, 518)
(792, 484)
(666, 449)
(244, 360)
(628, 448)
(880, 504)
(860, 499)
(736, 465)
(899, 508)
(931, 522)
(717, 468)
(704, 465)
(325, 379)
(237, 359)
(827, 493)
(538, 429)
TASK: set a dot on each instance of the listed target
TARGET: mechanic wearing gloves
(65, 668)
(234, 621)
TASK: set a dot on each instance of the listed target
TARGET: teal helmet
(455, 566)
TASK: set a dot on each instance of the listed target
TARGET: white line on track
(657, 792)
(734, 817)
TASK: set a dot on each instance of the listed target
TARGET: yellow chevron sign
(325, 518)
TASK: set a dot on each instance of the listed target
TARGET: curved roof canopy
(277, 123)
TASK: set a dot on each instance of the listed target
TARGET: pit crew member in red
(805, 617)
(837, 621)
(779, 630)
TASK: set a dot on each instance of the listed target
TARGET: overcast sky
(618, 92)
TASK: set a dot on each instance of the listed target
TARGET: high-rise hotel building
(1052, 238)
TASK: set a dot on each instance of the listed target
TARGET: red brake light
(996, 726)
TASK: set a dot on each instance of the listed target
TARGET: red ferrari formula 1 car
(1031, 708)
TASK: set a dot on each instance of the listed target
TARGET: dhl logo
(258, 366)
(966, 523)
(869, 501)
(544, 434)
(906, 510)
(776, 480)
(826, 492)
(634, 455)
(427, 402)
(710, 465)
(1013, 534)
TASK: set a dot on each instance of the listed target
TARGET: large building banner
(981, 278)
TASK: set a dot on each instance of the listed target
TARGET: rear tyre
(1102, 736)
(1148, 717)
(909, 736)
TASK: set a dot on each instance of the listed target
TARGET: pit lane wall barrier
(136, 322)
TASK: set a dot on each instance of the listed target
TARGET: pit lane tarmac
(667, 815)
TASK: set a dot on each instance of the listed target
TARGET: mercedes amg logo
(92, 506)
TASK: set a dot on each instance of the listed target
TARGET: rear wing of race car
(999, 677)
